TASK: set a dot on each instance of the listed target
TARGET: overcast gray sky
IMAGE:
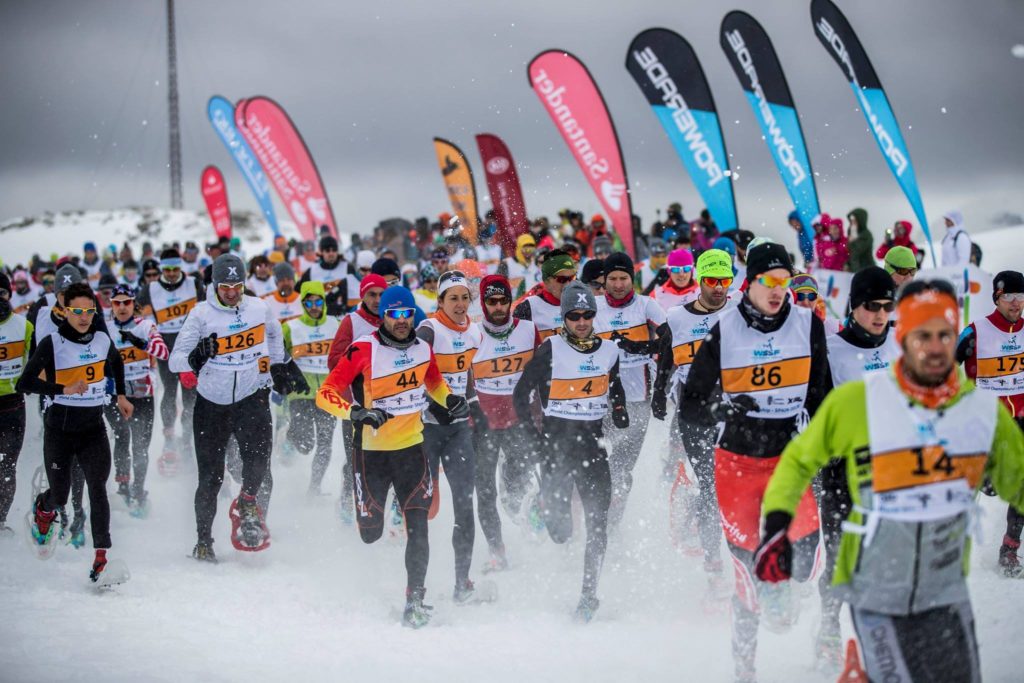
(84, 110)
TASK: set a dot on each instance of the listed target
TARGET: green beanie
(556, 262)
(899, 257)
(714, 263)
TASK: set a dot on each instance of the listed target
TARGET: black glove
(628, 345)
(295, 376)
(773, 561)
(458, 407)
(371, 417)
(620, 418)
(480, 423)
(662, 276)
(331, 299)
(204, 351)
(659, 404)
(738, 406)
(133, 339)
(987, 488)
(279, 375)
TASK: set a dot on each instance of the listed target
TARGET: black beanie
(385, 266)
(1007, 282)
(619, 261)
(328, 242)
(871, 284)
(592, 269)
(767, 256)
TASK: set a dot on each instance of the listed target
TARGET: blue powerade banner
(222, 117)
(753, 58)
(667, 70)
(836, 34)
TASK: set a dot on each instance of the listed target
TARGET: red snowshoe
(249, 532)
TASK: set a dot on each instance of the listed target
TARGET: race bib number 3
(10, 350)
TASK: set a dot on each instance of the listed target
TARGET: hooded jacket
(956, 245)
(316, 288)
(832, 253)
(894, 241)
(861, 245)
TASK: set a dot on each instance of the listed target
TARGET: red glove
(773, 561)
(188, 380)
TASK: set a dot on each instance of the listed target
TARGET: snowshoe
(125, 493)
(167, 464)
(105, 574)
(497, 563)
(586, 610)
(43, 531)
(828, 652)
(139, 506)
(852, 670)
(468, 593)
(416, 614)
(249, 533)
(1009, 562)
(76, 532)
(780, 609)
(203, 552)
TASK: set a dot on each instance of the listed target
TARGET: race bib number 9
(89, 374)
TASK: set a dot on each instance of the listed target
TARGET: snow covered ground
(320, 605)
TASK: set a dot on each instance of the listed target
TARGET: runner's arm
(349, 367)
(188, 337)
(699, 396)
(1006, 461)
(342, 340)
(39, 372)
(536, 376)
(437, 388)
(616, 394)
(666, 362)
(820, 380)
(114, 369)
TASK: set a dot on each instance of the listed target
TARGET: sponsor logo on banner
(497, 165)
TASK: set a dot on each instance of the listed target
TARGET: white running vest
(360, 327)
(926, 464)
(73, 362)
(669, 300)
(285, 310)
(137, 365)
(773, 369)
(12, 346)
(241, 338)
(397, 377)
(498, 363)
(311, 345)
(688, 332)
(44, 324)
(579, 381)
(547, 318)
(631, 321)
(1000, 359)
(331, 278)
(848, 362)
(92, 272)
(171, 308)
(454, 352)
(261, 288)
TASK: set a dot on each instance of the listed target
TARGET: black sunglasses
(876, 306)
(576, 316)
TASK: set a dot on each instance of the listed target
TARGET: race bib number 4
(583, 387)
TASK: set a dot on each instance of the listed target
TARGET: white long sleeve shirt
(219, 383)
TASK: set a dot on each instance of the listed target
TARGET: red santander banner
(287, 162)
(503, 186)
(575, 104)
(215, 194)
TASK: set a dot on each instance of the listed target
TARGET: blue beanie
(396, 297)
(725, 244)
(89, 246)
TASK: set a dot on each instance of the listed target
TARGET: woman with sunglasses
(543, 308)
(70, 368)
(139, 343)
(771, 360)
(804, 289)
(992, 351)
(390, 374)
(864, 344)
(684, 332)
(632, 322)
(448, 440)
(575, 374)
(168, 301)
(681, 287)
(521, 271)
